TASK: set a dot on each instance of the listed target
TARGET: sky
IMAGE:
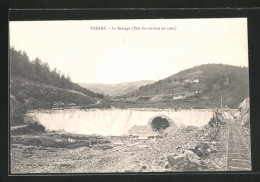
(123, 54)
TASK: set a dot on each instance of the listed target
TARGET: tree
(45, 72)
(20, 65)
(169, 80)
(37, 68)
(68, 77)
(62, 81)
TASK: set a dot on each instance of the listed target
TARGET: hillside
(115, 89)
(198, 87)
(36, 70)
(36, 95)
(34, 86)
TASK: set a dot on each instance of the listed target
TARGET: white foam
(114, 121)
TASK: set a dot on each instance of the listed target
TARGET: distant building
(191, 81)
(196, 80)
(178, 97)
(183, 95)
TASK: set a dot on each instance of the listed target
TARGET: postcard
(129, 96)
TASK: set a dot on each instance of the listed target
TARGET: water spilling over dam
(115, 122)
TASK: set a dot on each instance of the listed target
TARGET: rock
(161, 163)
(170, 131)
(170, 154)
(244, 107)
(167, 166)
(179, 158)
(201, 149)
(175, 160)
(171, 160)
(193, 162)
(190, 167)
(199, 152)
(191, 145)
(188, 161)
(190, 156)
(213, 149)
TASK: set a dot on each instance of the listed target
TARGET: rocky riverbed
(177, 149)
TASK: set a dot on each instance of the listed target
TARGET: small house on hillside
(191, 81)
(177, 97)
(183, 95)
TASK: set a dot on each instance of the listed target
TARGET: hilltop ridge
(115, 89)
(198, 87)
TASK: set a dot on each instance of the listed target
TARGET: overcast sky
(114, 56)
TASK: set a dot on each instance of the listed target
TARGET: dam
(117, 122)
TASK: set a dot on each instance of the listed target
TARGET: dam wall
(114, 122)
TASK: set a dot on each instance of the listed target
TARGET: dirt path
(238, 154)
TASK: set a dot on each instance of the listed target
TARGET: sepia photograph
(129, 96)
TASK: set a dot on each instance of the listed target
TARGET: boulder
(169, 155)
(201, 149)
(191, 145)
(190, 167)
(144, 167)
(192, 157)
(161, 163)
(246, 120)
(213, 149)
(188, 161)
(244, 109)
(193, 162)
(167, 166)
(170, 131)
(176, 160)
(236, 114)
(199, 152)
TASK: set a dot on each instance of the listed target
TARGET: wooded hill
(36, 70)
(35, 86)
(198, 87)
